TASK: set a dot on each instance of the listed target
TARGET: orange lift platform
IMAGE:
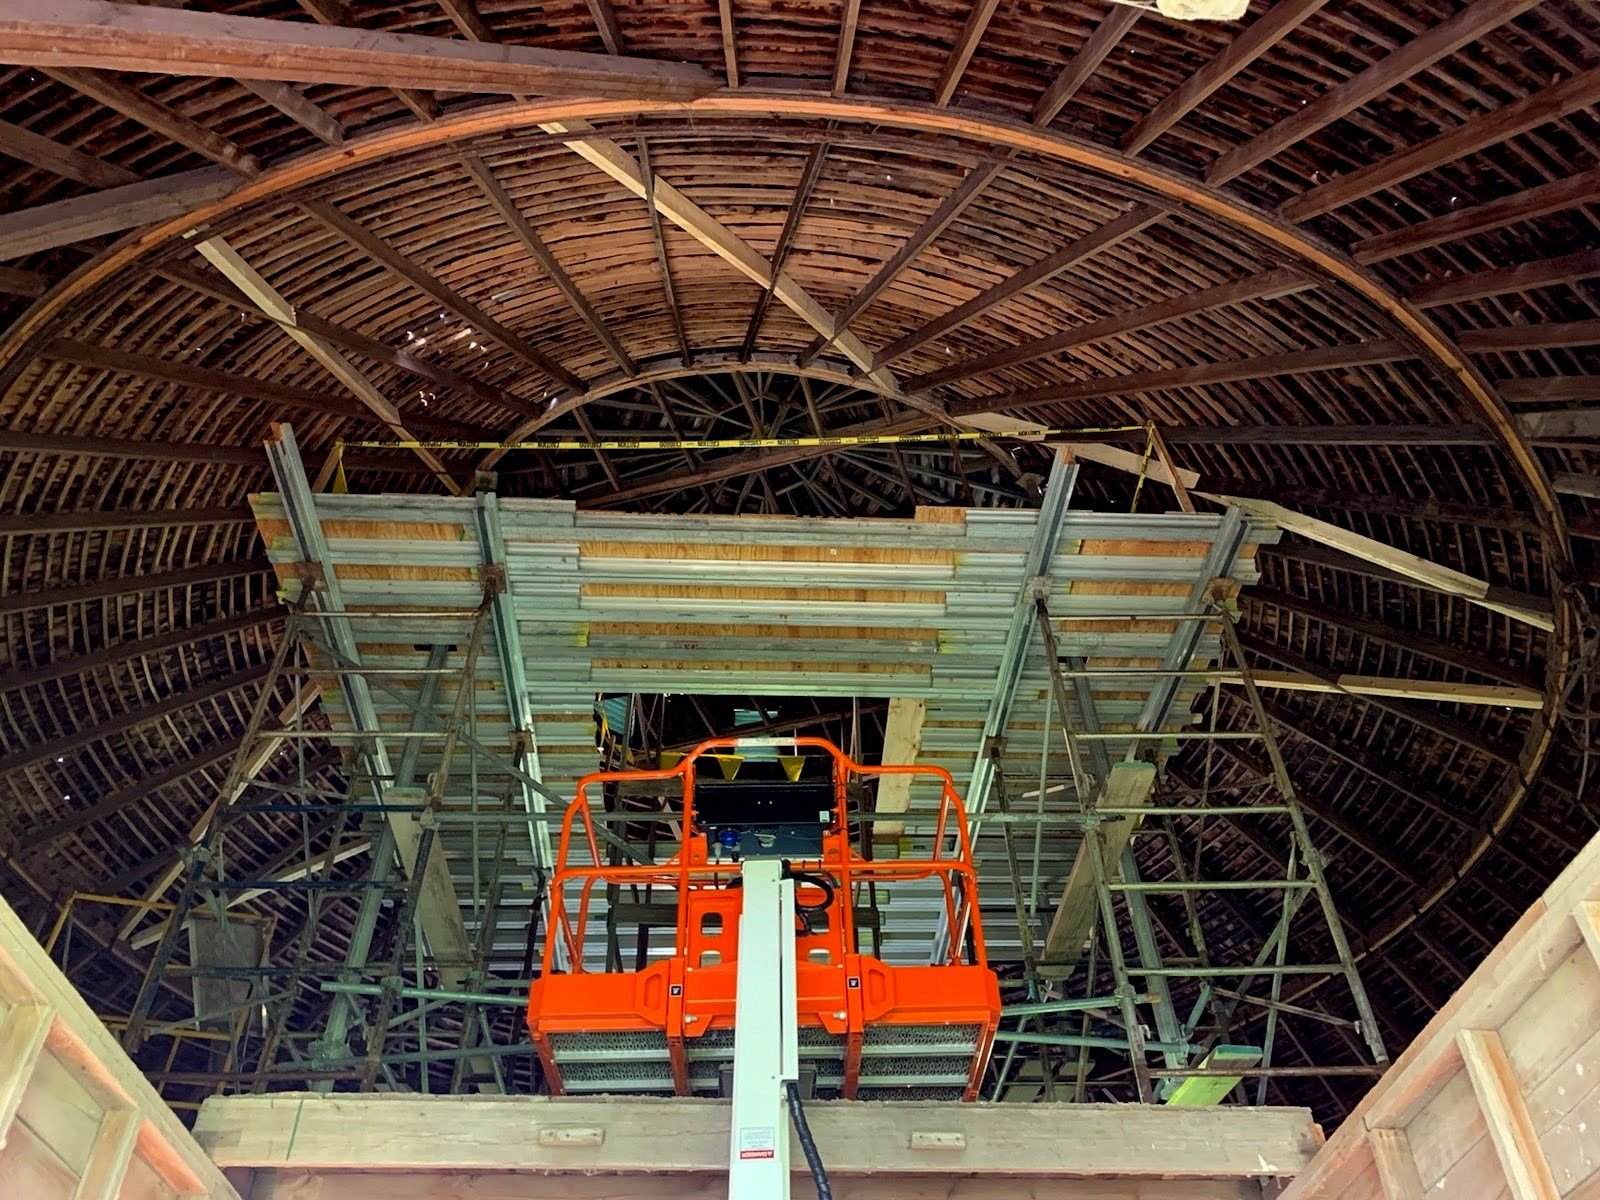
(860, 1027)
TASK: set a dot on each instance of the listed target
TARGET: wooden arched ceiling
(1342, 252)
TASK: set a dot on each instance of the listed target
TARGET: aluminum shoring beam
(1014, 657)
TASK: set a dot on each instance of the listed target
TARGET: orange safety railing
(685, 870)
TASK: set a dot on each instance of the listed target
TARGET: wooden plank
(482, 1133)
(1573, 94)
(294, 104)
(169, 41)
(1265, 32)
(23, 1031)
(1416, 55)
(112, 1153)
(1491, 695)
(152, 114)
(1094, 51)
(1551, 389)
(16, 282)
(1587, 915)
(1515, 1141)
(1139, 217)
(1397, 1170)
(1539, 273)
(1569, 192)
(80, 218)
(1544, 336)
(902, 743)
(1269, 285)
(1128, 786)
(66, 161)
(849, 17)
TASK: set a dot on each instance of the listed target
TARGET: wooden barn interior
(468, 464)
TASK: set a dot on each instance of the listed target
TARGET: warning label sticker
(758, 1141)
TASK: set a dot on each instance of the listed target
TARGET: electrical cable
(797, 1114)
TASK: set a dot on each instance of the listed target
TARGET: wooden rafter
(66, 161)
(125, 37)
(810, 174)
(1113, 26)
(955, 66)
(112, 210)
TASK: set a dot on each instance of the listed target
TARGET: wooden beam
(35, 674)
(1383, 633)
(502, 203)
(810, 173)
(1573, 191)
(1139, 217)
(1573, 94)
(14, 281)
(849, 17)
(1393, 69)
(961, 53)
(730, 49)
(294, 104)
(23, 1030)
(1524, 277)
(1038, 1141)
(1511, 1129)
(80, 218)
(171, 41)
(1560, 425)
(95, 520)
(1397, 1168)
(131, 585)
(1552, 389)
(110, 1154)
(1261, 35)
(18, 442)
(1128, 786)
(248, 280)
(1269, 285)
(1489, 695)
(663, 262)
(925, 235)
(130, 719)
(1094, 51)
(902, 744)
(1299, 362)
(66, 161)
(152, 114)
(605, 23)
(1551, 335)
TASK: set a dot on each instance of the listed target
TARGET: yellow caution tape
(749, 443)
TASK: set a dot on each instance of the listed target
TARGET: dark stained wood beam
(849, 17)
(34, 674)
(1268, 285)
(1553, 389)
(1574, 94)
(1571, 192)
(66, 161)
(940, 220)
(1541, 273)
(387, 256)
(605, 23)
(971, 34)
(105, 358)
(14, 281)
(1384, 633)
(153, 115)
(1261, 35)
(1141, 216)
(94, 520)
(132, 585)
(18, 441)
(1299, 362)
(503, 204)
(1420, 53)
(730, 46)
(465, 16)
(1418, 508)
(294, 104)
(112, 210)
(132, 718)
(810, 173)
(1552, 335)
(1094, 51)
(167, 41)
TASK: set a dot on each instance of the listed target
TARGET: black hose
(797, 1114)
